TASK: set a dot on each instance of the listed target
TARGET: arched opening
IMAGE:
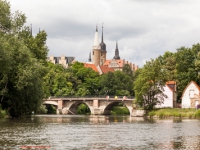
(80, 109)
(116, 108)
(48, 109)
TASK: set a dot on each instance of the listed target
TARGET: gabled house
(170, 91)
(190, 96)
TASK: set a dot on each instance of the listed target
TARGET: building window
(191, 93)
(93, 52)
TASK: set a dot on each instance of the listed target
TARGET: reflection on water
(99, 132)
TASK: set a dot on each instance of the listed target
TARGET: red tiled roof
(105, 69)
(120, 62)
(171, 85)
(92, 66)
(106, 63)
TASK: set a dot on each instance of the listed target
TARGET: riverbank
(175, 112)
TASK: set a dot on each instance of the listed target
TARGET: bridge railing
(93, 96)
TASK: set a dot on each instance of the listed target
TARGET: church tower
(116, 52)
(103, 50)
(96, 49)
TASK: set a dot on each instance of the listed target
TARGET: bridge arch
(108, 107)
(51, 103)
(72, 108)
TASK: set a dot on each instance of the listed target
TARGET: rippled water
(60, 132)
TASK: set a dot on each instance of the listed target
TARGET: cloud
(144, 29)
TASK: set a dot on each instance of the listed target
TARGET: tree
(116, 83)
(21, 74)
(185, 67)
(149, 85)
(127, 70)
(168, 62)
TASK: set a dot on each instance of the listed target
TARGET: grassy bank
(175, 112)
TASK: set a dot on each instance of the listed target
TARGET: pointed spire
(102, 44)
(39, 30)
(102, 34)
(116, 52)
(97, 28)
(96, 39)
(89, 60)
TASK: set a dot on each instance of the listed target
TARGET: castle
(98, 59)
(99, 55)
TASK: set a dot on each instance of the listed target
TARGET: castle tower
(116, 52)
(96, 49)
(103, 50)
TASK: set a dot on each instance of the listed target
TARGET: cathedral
(99, 55)
(97, 58)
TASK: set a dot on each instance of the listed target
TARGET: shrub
(42, 110)
(152, 113)
(197, 114)
(2, 113)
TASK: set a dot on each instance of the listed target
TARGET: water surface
(59, 132)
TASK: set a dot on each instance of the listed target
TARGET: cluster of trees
(26, 77)
(78, 80)
(22, 63)
(182, 66)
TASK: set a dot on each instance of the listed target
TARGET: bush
(116, 110)
(51, 109)
(197, 114)
(42, 110)
(83, 109)
(152, 113)
(2, 113)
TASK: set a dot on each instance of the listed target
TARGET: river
(63, 132)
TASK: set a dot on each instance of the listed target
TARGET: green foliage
(83, 109)
(119, 110)
(116, 83)
(50, 109)
(42, 109)
(127, 70)
(175, 112)
(185, 67)
(3, 113)
(21, 72)
(149, 85)
(197, 114)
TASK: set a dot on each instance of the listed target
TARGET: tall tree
(185, 68)
(149, 84)
(21, 73)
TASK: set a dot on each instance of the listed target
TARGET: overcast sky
(144, 29)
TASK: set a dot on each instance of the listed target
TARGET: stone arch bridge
(97, 106)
